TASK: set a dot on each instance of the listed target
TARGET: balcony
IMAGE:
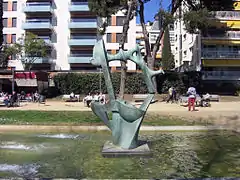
(41, 60)
(78, 7)
(227, 35)
(82, 41)
(221, 75)
(227, 15)
(37, 24)
(83, 24)
(34, 7)
(220, 55)
(79, 58)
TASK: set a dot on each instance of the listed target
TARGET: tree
(106, 8)
(167, 56)
(28, 50)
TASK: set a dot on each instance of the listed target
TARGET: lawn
(17, 117)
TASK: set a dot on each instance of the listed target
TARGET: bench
(66, 97)
(142, 97)
(184, 100)
(214, 97)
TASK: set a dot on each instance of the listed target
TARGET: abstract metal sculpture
(126, 118)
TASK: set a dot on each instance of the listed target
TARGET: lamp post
(13, 79)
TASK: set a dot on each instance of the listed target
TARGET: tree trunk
(150, 61)
(145, 33)
(176, 4)
(121, 44)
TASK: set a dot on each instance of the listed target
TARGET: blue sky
(152, 7)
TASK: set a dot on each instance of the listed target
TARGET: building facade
(69, 29)
(221, 46)
(186, 47)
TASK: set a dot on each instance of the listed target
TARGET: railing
(226, 15)
(221, 75)
(38, 4)
(78, 3)
(77, 20)
(227, 35)
(38, 21)
(80, 55)
(220, 55)
(82, 37)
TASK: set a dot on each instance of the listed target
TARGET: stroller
(205, 101)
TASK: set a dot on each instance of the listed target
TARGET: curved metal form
(126, 118)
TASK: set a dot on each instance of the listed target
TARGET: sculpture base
(111, 150)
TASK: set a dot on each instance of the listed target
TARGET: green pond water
(175, 155)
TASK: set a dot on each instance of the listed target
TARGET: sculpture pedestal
(111, 150)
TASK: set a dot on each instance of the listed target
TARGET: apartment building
(68, 28)
(113, 36)
(221, 46)
(186, 47)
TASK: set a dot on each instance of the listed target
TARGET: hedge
(84, 83)
(181, 81)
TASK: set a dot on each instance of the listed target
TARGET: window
(5, 22)
(120, 20)
(4, 38)
(13, 38)
(14, 6)
(14, 22)
(119, 36)
(5, 6)
(185, 53)
(109, 37)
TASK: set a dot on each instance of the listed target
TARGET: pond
(175, 155)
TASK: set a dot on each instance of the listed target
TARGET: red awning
(25, 75)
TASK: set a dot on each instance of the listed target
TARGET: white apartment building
(68, 27)
(186, 47)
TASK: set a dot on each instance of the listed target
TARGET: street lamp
(13, 79)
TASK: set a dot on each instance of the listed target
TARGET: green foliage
(217, 5)
(181, 81)
(105, 8)
(84, 83)
(28, 49)
(198, 16)
(167, 56)
(166, 17)
(197, 20)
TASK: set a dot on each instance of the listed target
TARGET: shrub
(84, 83)
(181, 81)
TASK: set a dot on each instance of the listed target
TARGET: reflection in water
(175, 155)
(29, 170)
(60, 136)
(18, 146)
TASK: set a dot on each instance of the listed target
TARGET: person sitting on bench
(72, 95)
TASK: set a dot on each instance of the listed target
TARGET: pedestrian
(191, 98)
